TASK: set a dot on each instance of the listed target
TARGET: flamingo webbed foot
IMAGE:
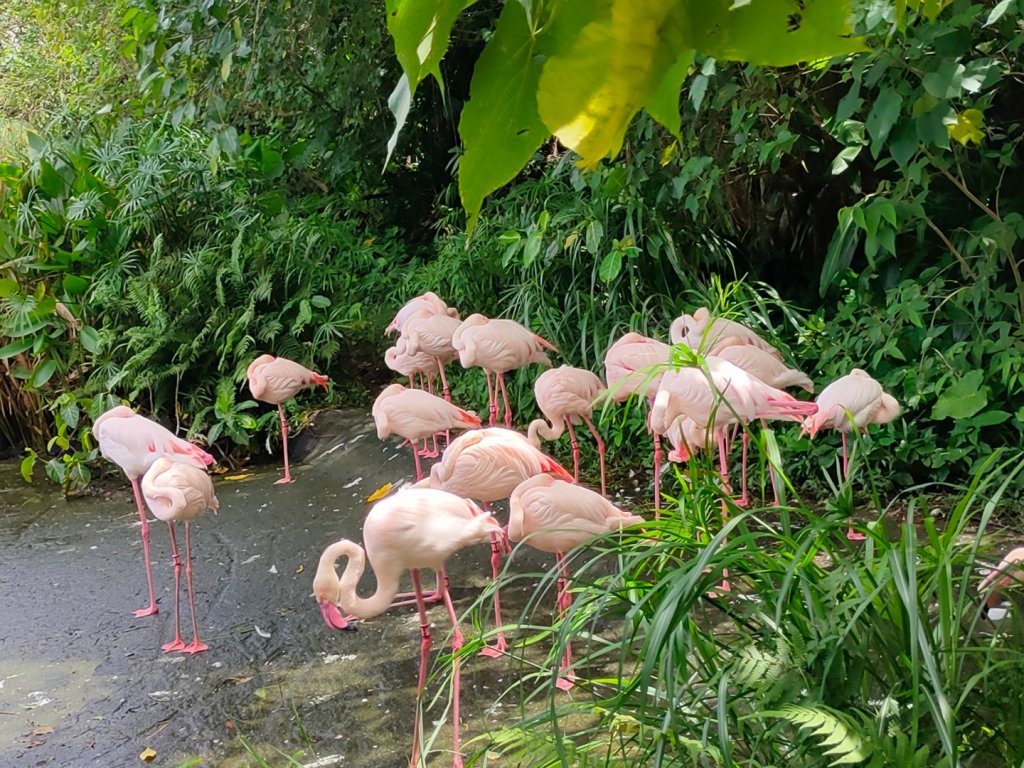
(147, 611)
(284, 480)
(195, 647)
(175, 645)
(853, 535)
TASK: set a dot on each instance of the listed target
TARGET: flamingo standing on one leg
(565, 395)
(498, 346)
(487, 464)
(133, 442)
(851, 402)
(413, 529)
(634, 365)
(179, 492)
(554, 516)
(276, 379)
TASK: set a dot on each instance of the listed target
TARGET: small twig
(952, 248)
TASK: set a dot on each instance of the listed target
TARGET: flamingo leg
(145, 551)
(851, 534)
(456, 672)
(723, 468)
(566, 678)
(409, 598)
(444, 381)
(416, 458)
(425, 643)
(600, 447)
(657, 464)
(500, 377)
(744, 499)
(500, 646)
(575, 449)
(284, 441)
(177, 644)
(492, 400)
(196, 645)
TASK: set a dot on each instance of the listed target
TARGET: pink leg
(500, 377)
(456, 675)
(284, 441)
(600, 448)
(409, 598)
(657, 465)
(492, 399)
(723, 468)
(575, 450)
(416, 458)
(566, 678)
(744, 500)
(145, 551)
(196, 645)
(501, 646)
(851, 534)
(444, 381)
(425, 643)
(177, 644)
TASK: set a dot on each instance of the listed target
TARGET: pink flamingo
(634, 365)
(555, 516)
(1004, 575)
(276, 379)
(179, 492)
(428, 301)
(415, 415)
(401, 361)
(565, 395)
(431, 334)
(134, 442)
(763, 365)
(702, 331)
(413, 529)
(498, 346)
(853, 401)
(487, 464)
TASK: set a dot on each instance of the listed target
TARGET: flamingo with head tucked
(703, 332)
(431, 334)
(134, 443)
(413, 529)
(428, 301)
(276, 379)
(177, 492)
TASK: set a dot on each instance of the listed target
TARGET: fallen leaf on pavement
(148, 755)
(381, 492)
(42, 730)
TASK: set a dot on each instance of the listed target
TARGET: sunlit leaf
(381, 492)
(969, 127)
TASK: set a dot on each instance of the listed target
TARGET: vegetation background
(187, 183)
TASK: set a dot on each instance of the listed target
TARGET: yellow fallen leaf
(148, 755)
(300, 569)
(42, 730)
(237, 477)
(381, 492)
(220, 469)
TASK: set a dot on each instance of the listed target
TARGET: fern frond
(836, 732)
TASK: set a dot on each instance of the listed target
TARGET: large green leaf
(963, 399)
(663, 105)
(610, 67)
(421, 31)
(499, 126)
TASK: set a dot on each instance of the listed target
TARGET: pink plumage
(763, 365)
(634, 365)
(428, 301)
(702, 331)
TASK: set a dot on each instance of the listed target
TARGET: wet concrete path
(84, 683)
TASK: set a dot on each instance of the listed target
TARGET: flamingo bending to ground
(853, 401)
(555, 516)
(133, 442)
(634, 365)
(415, 415)
(498, 346)
(179, 492)
(431, 334)
(401, 361)
(413, 529)
(565, 395)
(276, 379)
(428, 301)
(487, 464)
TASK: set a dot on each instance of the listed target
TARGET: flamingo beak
(332, 616)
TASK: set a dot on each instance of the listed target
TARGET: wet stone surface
(84, 683)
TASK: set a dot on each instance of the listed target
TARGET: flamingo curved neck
(351, 602)
(539, 428)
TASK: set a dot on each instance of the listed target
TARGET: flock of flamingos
(742, 379)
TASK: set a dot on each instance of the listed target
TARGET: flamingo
(498, 346)
(431, 334)
(487, 464)
(276, 379)
(400, 360)
(133, 442)
(555, 516)
(179, 492)
(428, 301)
(415, 415)
(565, 395)
(413, 529)
(853, 401)
(1007, 573)
(702, 331)
(761, 364)
(631, 367)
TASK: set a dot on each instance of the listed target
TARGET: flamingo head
(332, 616)
(327, 589)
